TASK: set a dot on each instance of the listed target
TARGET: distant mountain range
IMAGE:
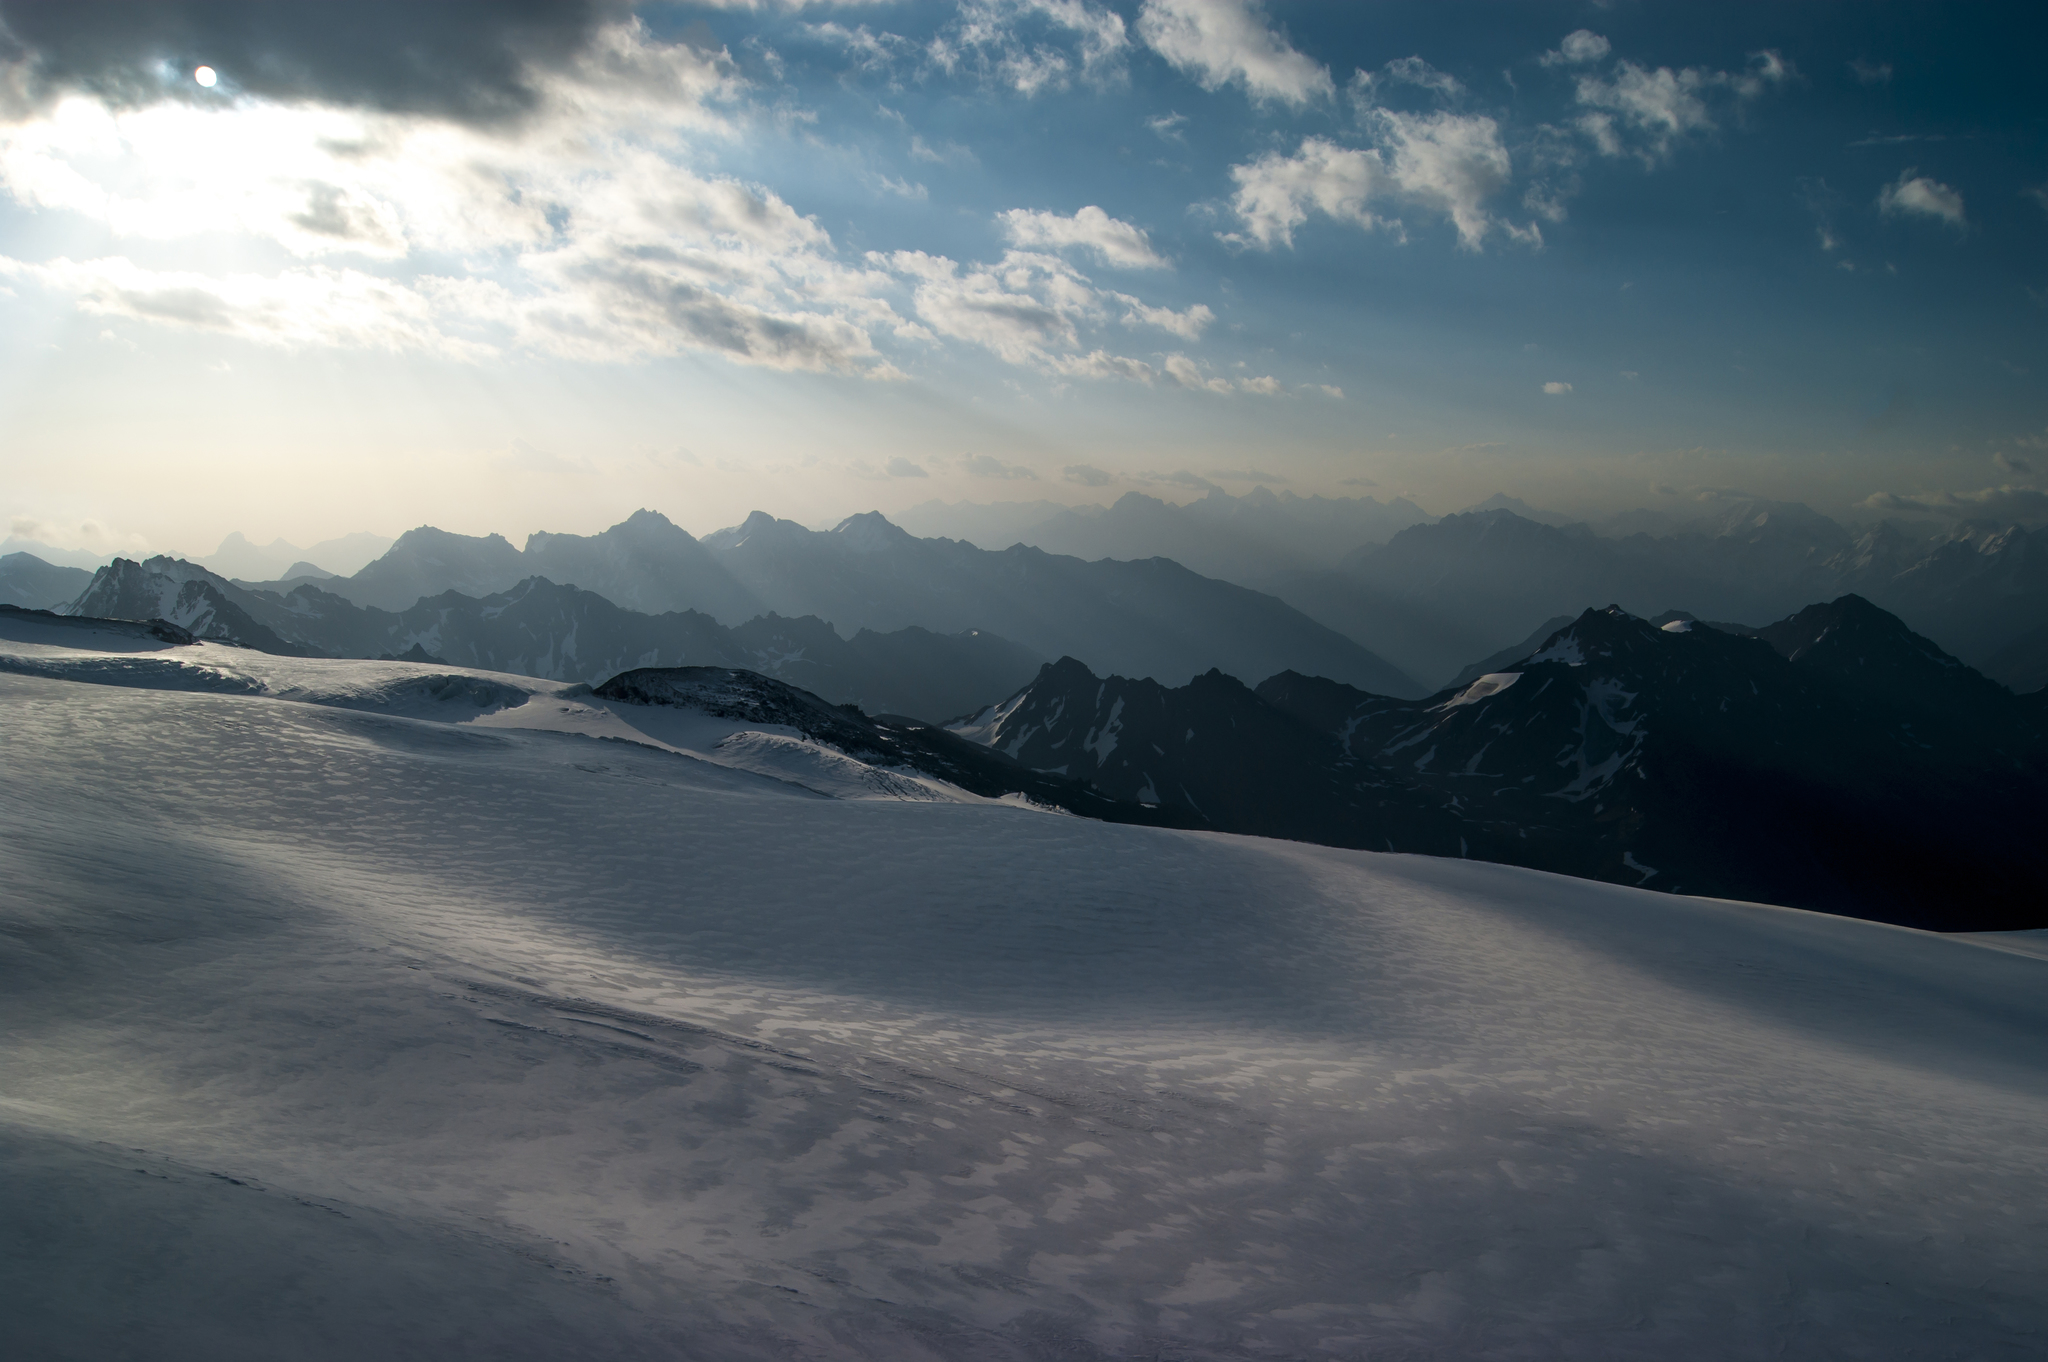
(1243, 539)
(1149, 617)
(30, 581)
(1833, 760)
(538, 628)
(1436, 596)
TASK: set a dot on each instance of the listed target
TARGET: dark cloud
(1086, 475)
(471, 60)
(900, 467)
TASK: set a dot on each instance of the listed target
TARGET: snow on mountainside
(335, 1031)
(778, 731)
(1867, 773)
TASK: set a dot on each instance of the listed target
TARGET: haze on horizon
(509, 270)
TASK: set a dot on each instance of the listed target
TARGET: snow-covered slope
(336, 1032)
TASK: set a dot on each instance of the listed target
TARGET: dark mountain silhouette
(2022, 665)
(891, 742)
(1836, 761)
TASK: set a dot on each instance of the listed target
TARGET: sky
(304, 270)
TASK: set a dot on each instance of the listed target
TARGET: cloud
(945, 154)
(1442, 163)
(1181, 479)
(1579, 47)
(1030, 308)
(2012, 463)
(2024, 505)
(1102, 364)
(1113, 241)
(1168, 125)
(900, 467)
(1188, 325)
(1032, 46)
(472, 61)
(1189, 374)
(1086, 475)
(1406, 71)
(1246, 475)
(1656, 108)
(1918, 194)
(615, 257)
(292, 309)
(987, 466)
(1557, 389)
(1359, 482)
(1871, 73)
(1221, 42)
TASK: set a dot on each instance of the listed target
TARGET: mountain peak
(870, 532)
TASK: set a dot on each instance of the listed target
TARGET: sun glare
(206, 76)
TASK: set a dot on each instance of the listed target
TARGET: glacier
(378, 1009)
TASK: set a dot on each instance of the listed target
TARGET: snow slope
(338, 1032)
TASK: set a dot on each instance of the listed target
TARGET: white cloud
(1918, 194)
(1031, 309)
(987, 39)
(900, 467)
(1219, 42)
(1871, 73)
(1578, 48)
(1113, 241)
(1102, 364)
(1276, 193)
(316, 306)
(1189, 374)
(1661, 106)
(1188, 325)
(1168, 126)
(1557, 389)
(1443, 163)
(579, 232)
(1087, 475)
(1415, 71)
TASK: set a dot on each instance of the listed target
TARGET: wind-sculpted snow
(332, 1033)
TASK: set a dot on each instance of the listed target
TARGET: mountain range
(1147, 617)
(1243, 539)
(1833, 760)
(1436, 596)
(28, 580)
(539, 628)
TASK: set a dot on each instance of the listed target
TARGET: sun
(206, 76)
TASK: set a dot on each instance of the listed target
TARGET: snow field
(517, 1041)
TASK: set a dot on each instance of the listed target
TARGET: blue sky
(820, 258)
